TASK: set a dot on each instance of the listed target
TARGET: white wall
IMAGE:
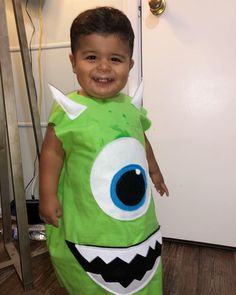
(189, 71)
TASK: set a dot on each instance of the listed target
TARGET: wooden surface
(15, 154)
(198, 270)
(45, 282)
(188, 270)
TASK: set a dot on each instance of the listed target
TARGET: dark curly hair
(102, 20)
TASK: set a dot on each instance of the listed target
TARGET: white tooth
(159, 237)
(87, 252)
(143, 251)
(152, 242)
(154, 238)
(126, 254)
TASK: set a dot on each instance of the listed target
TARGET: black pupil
(130, 188)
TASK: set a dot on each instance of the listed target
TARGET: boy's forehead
(100, 40)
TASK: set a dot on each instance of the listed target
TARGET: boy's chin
(103, 95)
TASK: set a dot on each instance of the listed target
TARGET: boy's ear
(72, 60)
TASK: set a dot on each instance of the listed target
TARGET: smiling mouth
(103, 80)
(120, 270)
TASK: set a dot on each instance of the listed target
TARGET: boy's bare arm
(154, 170)
(51, 161)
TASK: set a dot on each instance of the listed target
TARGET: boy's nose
(104, 66)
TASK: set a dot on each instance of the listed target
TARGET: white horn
(138, 96)
(72, 109)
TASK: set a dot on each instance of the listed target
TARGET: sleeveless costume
(108, 240)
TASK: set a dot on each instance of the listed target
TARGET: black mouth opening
(119, 271)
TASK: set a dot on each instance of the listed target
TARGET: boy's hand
(159, 184)
(50, 210)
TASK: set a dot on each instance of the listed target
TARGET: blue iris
(128, 187)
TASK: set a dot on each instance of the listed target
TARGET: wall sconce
(157, 7)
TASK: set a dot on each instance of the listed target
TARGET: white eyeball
(120, 181)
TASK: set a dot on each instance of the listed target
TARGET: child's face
(101, 64)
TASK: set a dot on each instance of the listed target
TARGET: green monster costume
(108, 240)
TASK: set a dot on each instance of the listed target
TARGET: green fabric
(83, 221)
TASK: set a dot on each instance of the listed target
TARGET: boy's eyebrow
(120, 55)
(112, 54)
(88, 51)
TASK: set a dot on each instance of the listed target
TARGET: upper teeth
(103, 79)
(126, 254)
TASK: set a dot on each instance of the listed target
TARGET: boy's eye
(116, 59)
(91, 57)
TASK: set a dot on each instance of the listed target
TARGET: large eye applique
(119, 179)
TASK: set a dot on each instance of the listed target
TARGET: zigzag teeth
(117, 288)
(126, 254)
